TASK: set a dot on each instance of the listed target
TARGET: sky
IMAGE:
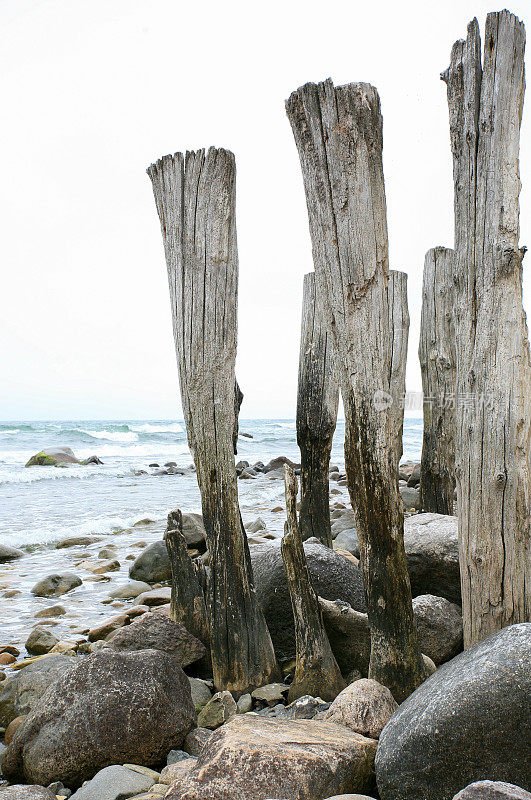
(93, 91)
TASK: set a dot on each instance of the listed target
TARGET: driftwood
(316, 670)
(187, 595)
(493, 415)
(399, 332)
(338, 131)
(437, 363)
(195, 198)
(317, 402)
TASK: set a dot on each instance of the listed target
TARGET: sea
(42, 505)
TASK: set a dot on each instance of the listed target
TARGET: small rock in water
(8, 553)
(257, 525)
(217, 711)
(50, 612)
(130, 590)
(75, 541)
(6, 659)
(56, 584)
(155, 597)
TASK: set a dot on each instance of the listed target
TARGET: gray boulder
(193, 529)
(109, 708)
(152, 565)
(57, 584)
(23, 689)
(410, 497)
(53, 456)
(492, 790)
(158, 632)
(201, 694)
(8, 553)
(114, 783)
(440, 627)
(345, 522)
(432, 553)
(40, 641)
(333, 577)
(468, 720)
(365, 706)
(21, 792)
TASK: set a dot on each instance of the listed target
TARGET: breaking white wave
(113, 436)
(173, 427)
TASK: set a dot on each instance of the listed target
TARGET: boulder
(130, 590)
(21, 792)
(219, 709)
(346, 521)
(492, 790)
(114, 783)
(470, 719)
(278, 463)
(196, 740)
(201, 694)
(40, 641)
(349, 635)
(152, 565)
(52, 457)
(57, 584)
(158, 632)
(253, 757)
(414, 477)
(193, 529)
(432, 553)
(333, 577)
(51, 611)
(410, 497)
(8, 553)
(439, 626)
(21, 692)
(109, 708)
(155, 597)
(365, 706)
(12, 728)
(77, 541)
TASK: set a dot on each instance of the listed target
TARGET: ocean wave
(112, 436)
(35, 474)
(172, 427)
(148, 449)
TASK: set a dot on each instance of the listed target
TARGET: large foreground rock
(24, 689)
(492, 790)
(467, 721)
(158, 632)
(8, 553)
(333, 577)
(254, 757)
(110, 708)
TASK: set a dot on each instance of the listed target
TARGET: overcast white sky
(93, 91)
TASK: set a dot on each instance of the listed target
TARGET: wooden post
(399, 333)
(338, 131)
(317, 401)
(493, 415)
(437, 363)
(195, 198)
(316, 670)
(187, 597)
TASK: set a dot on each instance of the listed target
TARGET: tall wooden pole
(493, 418)
(399, 333)
(437, 363)
(195, 198)
(317, 402)
(338, 132)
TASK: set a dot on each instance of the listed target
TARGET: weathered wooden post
(399, 332)
(195, 198)
(437, 363)
(338, 131)
(317, 402)
(187, 597)
(493, 416)
(316, 670)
